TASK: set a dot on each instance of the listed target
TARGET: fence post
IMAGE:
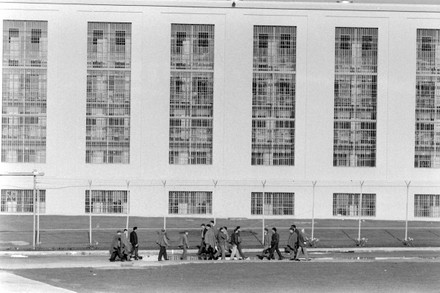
(360, 211)
(263, 217)
(128, 204)
(406, 216)
(164, 183)
(313, 209)
(90, 212)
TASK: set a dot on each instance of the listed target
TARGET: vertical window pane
(108, 93)
(21, 200)
(347, 204)
(191, 94)
(273, 96)
(427, 134)
(355, 97)
(24, 95)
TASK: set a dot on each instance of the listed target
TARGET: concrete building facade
(204, 108)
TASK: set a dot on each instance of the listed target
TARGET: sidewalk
(10, 283)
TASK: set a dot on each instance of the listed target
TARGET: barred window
(106, 202)
(191, 94)
(355, 97)
(190, 202)
(427, 112)
(108, 93)
(427, 205)
(24, 95)
(273, 96)
(275, 203)
(21, 200)
(347, 204)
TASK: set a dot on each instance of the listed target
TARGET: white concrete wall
(67, 175)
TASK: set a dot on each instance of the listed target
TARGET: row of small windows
(192, 94)
(201, 203)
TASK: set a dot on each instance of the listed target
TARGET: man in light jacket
(162, 241)
(184, 244)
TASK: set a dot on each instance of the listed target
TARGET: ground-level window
(107, 202)
(347, 204)
(427, 205)
(190, 202)
(21, 200)
(275, 203)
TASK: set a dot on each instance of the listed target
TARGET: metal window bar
(355, 97)
(106, 202)
(427, 205)
(190, 202)
(21, 201)
(108, 93)
(191, 94)
(273, 96)
(275, 203)
(24, 95)
(427, 112)
(347, 204)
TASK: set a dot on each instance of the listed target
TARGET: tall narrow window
(108, 93)
(427, 134)
(273, 96)
(24, 96)
(192, 94)
(355, 97)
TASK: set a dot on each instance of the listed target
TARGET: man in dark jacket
(115, 247)
(274, 244)
(134, 243)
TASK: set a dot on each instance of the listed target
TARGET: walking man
(162, 241)
(302, 244)
(292, 243)
(210, 242)
(184, 244)
(115, 247)
(134, 243)
(266, 245)
(274, 245)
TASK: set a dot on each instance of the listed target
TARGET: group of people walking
(296, 243)
(124, 246)
(215, 244)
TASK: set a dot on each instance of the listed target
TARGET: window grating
(427, 205)
(273, 96)
(355, 97)
(275, 203)
(106, 202)
(108, 93)
(22, 200)
(190, 202)
(24, 96)
(191, 94)
(427, 134)
(347, 204)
